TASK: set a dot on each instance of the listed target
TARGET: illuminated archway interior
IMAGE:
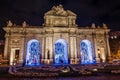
(86, 52)
(33, 53)
(61, 52)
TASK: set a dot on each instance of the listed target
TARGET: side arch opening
(33, 53)
(86, 52)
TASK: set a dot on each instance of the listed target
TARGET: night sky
(88, 11)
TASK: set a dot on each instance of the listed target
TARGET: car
(3, 61)
(116, 61)
(0, 60)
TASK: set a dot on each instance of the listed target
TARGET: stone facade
(58, 24)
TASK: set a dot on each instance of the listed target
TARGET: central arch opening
(33, 53)
(60, 52)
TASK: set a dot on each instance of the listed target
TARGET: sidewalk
(4, 65)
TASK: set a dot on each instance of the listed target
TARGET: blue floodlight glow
(33, 53)
(86, 52)
(61, 52)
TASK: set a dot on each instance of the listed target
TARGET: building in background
(58, 41)
(115, 44)
(1, 48)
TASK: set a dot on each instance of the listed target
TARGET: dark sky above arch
(88, 11)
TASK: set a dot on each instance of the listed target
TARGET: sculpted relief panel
(60, 22)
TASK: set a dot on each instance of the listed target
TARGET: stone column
(73, 21)
(70, 21)
(51, 49)
(94, 45)
(71, 47)
(75, 50)
(78, 49)
(6, 48)
(46, 47)
(108, 49)
(43, 50)
(25, 44)
(75, 47)
(72, 50)
(51, 22)
(47, 21)
(12, 56)
(21, 50)
(96, 51)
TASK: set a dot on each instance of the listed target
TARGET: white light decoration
(115, 36)
(33, 53)
(111, 37)
(61, 52)
(86, 50)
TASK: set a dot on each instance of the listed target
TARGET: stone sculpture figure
(9, 23)
(105, 26)
(59, 10)
(24, 24)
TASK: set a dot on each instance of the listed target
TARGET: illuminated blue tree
(61, 56)
(33, 53)
(86, 52)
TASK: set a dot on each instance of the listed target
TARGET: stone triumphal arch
(58, 41)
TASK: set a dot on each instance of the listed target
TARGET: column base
(42, 61)
(20, 62)
(71, 61)
(103, 60)
(47, 61)
(77, 61)
(74, 61)
(97, 60)
(51, 61)
(110, 60)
